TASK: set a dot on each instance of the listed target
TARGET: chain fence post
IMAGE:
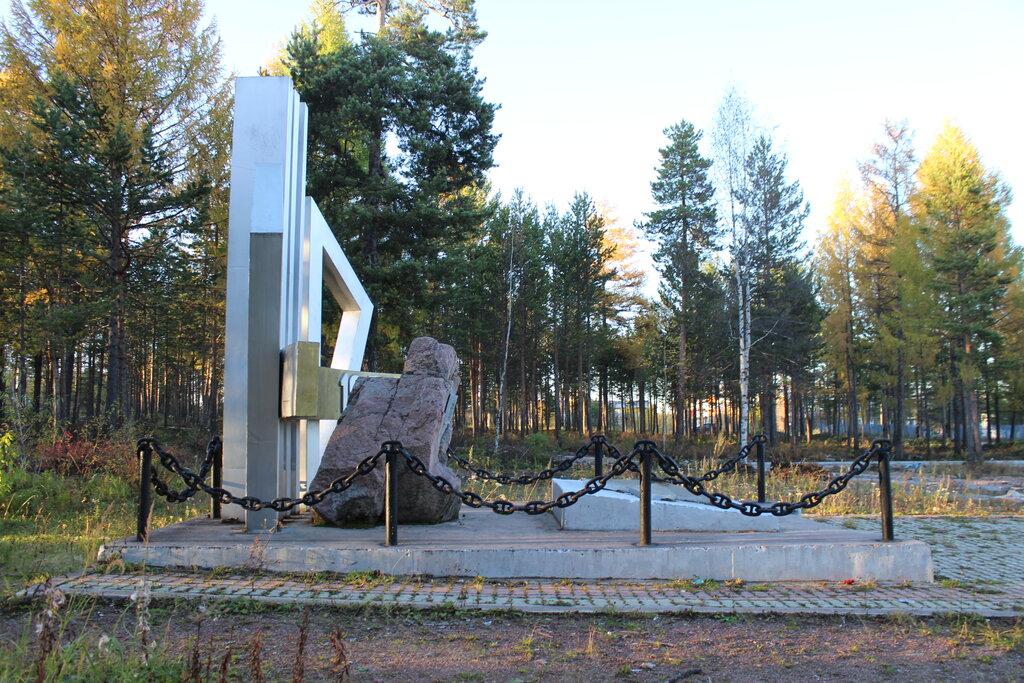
(598, 456)
(885, 488)
(145, 451)
(218, 477)
(760, 468)
(391, 497)
(645, 496)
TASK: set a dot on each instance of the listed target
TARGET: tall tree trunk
(999, 417)
(37, 383)
(3, 382)
(582, 394)
(643, 408)
(743, 289)
(556, 393)
(898, 418)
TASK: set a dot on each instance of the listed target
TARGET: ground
(439, 645)
(379, 637)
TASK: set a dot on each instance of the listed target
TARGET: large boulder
(415, 409)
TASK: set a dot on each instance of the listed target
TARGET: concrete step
(481, 543)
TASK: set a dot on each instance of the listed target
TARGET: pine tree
(685, 229)
(782, 317)
(398, 213)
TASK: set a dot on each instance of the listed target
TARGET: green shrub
(539, 444)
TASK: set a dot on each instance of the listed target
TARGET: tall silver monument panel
(280, 252)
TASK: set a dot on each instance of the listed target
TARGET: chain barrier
(525, 479)
(726, 467)
(195, 482)
(505, 507)
(172, 496)
(623, 463)
(695, 485)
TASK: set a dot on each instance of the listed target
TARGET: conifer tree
(397, 208)
(114, 97)
(782, 320)
(961, 206)
(887, 241)
(835, 265)
(685, 229)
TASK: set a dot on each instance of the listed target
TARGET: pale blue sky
(586, 88)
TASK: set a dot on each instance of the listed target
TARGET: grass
(999, 635)
(58, 643)
(51, 524)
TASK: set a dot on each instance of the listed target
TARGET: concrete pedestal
(673, 508)
(481, 543)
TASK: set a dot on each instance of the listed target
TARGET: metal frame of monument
(280, 250)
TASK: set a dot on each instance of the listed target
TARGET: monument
(280, 406)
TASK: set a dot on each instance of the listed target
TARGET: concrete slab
(481, 543)
(673, 508)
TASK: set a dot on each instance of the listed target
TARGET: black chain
(417, 466)
(162, 489)
(195, 482)
(695, 485)
(525, 479)
(726, 467)
(621, 465)
(505, 507)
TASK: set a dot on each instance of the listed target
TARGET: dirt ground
(440, 645)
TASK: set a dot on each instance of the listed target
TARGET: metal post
(760, 469)
(645, 496)
(391, 497)
(885, 489)
(145, 494)
(598, 457)
(218, 478)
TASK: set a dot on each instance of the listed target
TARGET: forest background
(904, 319)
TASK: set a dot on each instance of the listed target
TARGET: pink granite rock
(415, 409)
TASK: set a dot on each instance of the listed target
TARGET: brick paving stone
(979, 565)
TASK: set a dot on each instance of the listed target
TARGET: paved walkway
(979, 567)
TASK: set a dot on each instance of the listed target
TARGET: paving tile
(963, 551)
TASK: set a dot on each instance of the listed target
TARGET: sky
(586, 89)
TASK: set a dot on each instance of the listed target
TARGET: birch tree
(732, 139)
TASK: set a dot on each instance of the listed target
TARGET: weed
(866, 586)
(369, 578)
(999, 635)
(299, 669)
(339, 660)
(255, 656)
(697, 584)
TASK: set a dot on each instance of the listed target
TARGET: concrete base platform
(673, 508)
(482, 543)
